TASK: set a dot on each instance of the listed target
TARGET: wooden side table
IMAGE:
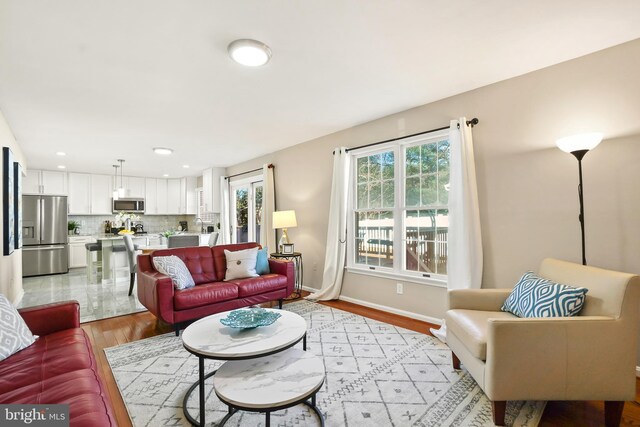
(296, 257)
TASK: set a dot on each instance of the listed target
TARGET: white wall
(527, 187)
(10, 266)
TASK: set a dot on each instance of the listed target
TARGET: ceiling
(102, 80)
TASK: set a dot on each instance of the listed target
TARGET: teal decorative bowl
(250, 318)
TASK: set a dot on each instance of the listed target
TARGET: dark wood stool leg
(455, 360)
(131, 282)
(613, 413)
(498, 408)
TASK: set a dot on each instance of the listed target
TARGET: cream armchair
(588, 357)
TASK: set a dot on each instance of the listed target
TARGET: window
(399, 207)
(246, 202)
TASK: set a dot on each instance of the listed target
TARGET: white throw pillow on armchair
(241, 264)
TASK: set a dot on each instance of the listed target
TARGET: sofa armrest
(478, 299)
(570, 358)
(49, 318)
(285, 268)
(155, 290)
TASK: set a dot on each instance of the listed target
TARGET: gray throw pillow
(14, 333)
(173, 267)
(241, 264)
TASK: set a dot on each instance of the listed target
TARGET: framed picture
(8, 208)
(287, 248)
(17, 198)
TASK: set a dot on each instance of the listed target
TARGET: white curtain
(465, 240)
(267, 233)
(225, 214)
(336, 251)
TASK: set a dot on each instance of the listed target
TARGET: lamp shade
(284, 219)
(583, 141)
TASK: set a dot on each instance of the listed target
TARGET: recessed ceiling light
(61, 153)
(186, 166)
(165, 175)
(162, 151)
(62, 167)
(251, 53)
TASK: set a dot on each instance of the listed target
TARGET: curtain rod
(471, 123)
(270, 166)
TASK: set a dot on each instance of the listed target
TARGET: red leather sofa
(211, 294)
(59, 368)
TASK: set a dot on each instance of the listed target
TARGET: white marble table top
(210, 338)
(271, 381)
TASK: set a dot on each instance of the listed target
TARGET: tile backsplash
(94, 224)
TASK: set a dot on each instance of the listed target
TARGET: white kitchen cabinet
(79, 202)
(101, 194)
(161, 185)
(188, 195)
(45, 182)
(211, 189)
(77, 250)
(174, 201)
(151, 196)
(135, 186)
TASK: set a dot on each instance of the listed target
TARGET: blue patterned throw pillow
(174, 267)
(535, 296)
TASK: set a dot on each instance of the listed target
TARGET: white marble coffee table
(270, 383)
(209, 339)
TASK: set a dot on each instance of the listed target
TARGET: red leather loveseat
(211, 294)
(59, 368)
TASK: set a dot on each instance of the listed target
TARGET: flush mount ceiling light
(163, 151)
(165, 175)
(61, 153)
(251, 53)
(61, 167)
(185, 166)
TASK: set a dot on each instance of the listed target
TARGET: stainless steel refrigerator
(44, 234)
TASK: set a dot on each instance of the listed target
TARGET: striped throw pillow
(535, 296)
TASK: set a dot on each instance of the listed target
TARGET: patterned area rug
(377, 374)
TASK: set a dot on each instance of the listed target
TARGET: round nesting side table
(270, 383)
(209, 339)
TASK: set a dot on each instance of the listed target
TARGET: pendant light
(116, 195)
(121, 190)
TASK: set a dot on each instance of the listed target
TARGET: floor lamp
(579, 145)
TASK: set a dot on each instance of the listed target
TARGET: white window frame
(397, 272)
(250, 183)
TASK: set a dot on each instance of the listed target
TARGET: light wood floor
(120, 330)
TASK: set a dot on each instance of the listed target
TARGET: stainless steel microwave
(128, 205)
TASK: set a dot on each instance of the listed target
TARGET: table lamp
(284, 220)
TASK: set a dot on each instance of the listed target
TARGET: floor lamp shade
(284, 220)
(579, 145)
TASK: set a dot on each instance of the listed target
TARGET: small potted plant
(72, 225)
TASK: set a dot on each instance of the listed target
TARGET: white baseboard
(393, 310)
(18, 298)
(637, 371)
(388, 309)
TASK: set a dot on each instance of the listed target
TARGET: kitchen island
(115, 265)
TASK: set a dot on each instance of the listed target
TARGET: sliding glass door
(246, 202)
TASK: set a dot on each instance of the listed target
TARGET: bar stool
(114, 267)
(91, 264)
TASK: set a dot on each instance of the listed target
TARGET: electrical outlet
(399, 288)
